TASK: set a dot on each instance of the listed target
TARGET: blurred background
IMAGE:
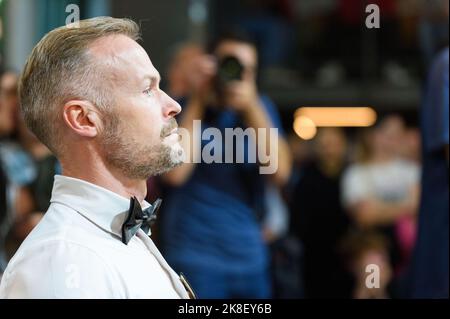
(348, 99)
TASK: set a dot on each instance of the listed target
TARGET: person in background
(406, 228)
(40, 159)
(210, 222)
(30, 167)
(8, 100)
(381, 190)
(361, 249)
(182, 66)
(433, 29)
(411, 147)
(3, 212)
(318, 218)
(430, 268)
(45, 163)
(17, 168)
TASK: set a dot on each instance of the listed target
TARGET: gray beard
(140, 162)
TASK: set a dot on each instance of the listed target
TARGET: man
(316, 205)
(91, 94)
(210, 226)
(430, 263)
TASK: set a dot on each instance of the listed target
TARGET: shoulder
(57, 268)
(406, 164)
(268, 104)
(407, 167)
(61, 258)
(272, 110)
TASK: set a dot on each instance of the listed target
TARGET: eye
(148, 92)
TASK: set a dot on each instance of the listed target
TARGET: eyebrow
(153, 79)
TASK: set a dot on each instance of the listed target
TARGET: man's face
(331, 144)
(139, 135)
(389, 136)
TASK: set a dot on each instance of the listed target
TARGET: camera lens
(230, 69)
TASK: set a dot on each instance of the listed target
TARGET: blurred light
(304, 127)
(339, 116)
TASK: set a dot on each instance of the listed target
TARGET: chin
(177, 154)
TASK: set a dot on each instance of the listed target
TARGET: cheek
(141, 120)
(149, 122)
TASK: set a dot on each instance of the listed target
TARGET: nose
(171, 107)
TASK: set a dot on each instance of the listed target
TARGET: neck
(381, 157)
(94, 170)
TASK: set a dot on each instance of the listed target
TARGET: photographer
(210, 227)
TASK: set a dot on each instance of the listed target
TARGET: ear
(82, 118)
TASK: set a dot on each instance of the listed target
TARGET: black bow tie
(138, 218)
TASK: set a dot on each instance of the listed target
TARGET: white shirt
(389, 182)
(76, 251)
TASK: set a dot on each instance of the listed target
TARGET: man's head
(388, 135)
(362, 248)
(182, 67)
(236, 59)
(331, 144)
(93, 88)
(384, 139)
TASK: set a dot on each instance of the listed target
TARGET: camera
(229, 69)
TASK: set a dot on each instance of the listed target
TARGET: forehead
(392, 124)
(330, 133)
(125, 57)
(245, 52)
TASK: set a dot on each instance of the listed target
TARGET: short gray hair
(59, 69)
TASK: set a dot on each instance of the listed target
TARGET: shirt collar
(101, 206)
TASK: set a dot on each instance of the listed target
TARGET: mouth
(170, 129)
(174, 131)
